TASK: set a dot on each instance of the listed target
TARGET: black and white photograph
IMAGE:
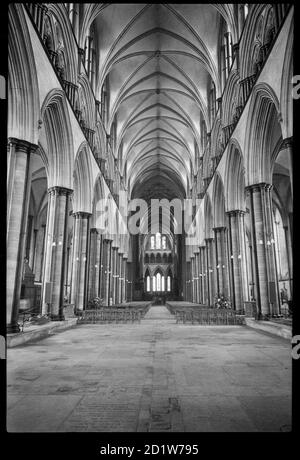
(149, 213)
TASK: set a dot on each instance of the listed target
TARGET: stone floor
(155, 376)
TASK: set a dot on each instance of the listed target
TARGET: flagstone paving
(156, 376)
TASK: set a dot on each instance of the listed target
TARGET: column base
(12, 328)
(59, 317)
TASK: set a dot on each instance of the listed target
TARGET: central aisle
(155, 376)
(158, 312)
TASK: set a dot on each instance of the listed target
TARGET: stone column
(129, 284)
(192, 279)
(93, 264)
(39, 262)
(18, 194)
(202, 275)
(238, 258)
(188, 283)
(98, 264)
(274, 296)
(114, 273)
(211, 275)
(106, 270)
(80, 248)
(28, 238)
(219, 258)
(124, 276)
(198, 275)
(260, 213)
(121, 276)
(289, 255)
(55, 251)
(33, 251)
(120, 279)
(287, 144)
(117, 283)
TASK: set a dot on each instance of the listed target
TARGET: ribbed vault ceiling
(159, 58)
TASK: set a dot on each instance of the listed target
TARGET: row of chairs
(110, 315)
(213, 316)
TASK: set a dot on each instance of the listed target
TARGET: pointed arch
(23, 90)
(234, 178)
(83, 180)
(86, 102)
(264, 111)
(70, 50)
(208, 217)
(55, 116)
(286, 100)
(219, 202)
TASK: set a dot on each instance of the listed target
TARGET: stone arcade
(149, 102)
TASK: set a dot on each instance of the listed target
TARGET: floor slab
(156, 376)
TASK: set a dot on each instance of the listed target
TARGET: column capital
(258, 187)
(94, 230)
(235, 212)
(107, 240)
(22, 146)
(286, 143)
(208, 240)
(82, 215)
(219, 229)
(58, 190)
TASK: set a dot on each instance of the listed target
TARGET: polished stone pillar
(238, 258)
(264, 254)
(33, 250)
(93, 264)
(287, 144)
(40, 251)
(119, 275)
(211, 273)
(220, 259)
(129, 284)
(192, 278)
(200, 276)
(289, 252)
(124, 278)
(101, 271)
(188, 282)
(18, 194)
(120, 279)
(28, 239)
(274, 297)
(98, 263)
(80, 255)
(55, 251)
(107, 252)
(114, 273)
(203, 278)
(197, 276)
